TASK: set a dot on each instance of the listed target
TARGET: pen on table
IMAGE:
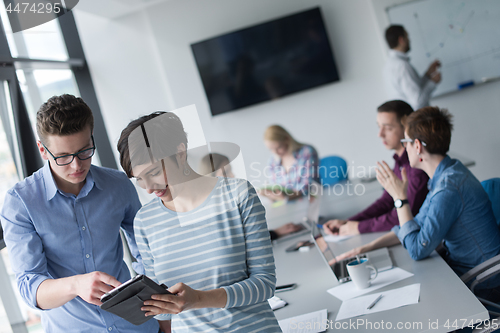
(374, 302)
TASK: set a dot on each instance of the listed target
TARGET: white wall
(476, 113)
(125, 68)
(142, 62)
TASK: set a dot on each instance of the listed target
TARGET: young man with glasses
(62, 226)
(381, 215)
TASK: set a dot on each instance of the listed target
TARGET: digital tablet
(127, 299)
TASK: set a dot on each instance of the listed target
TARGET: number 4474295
(462, 323)
(35, 8)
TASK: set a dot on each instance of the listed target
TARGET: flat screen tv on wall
(265, 61)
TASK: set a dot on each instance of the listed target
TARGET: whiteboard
(463, 34)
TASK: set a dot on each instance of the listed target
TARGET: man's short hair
(400, 108)
(63, 115)
(431, 125)
(393, 33)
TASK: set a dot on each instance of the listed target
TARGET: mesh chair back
(492, 188)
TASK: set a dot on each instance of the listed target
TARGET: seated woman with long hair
(293, 166)
(456, 212)
(220, 163)
(204, 237)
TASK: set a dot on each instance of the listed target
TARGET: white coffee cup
(360, 273)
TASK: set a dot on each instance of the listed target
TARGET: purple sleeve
(417, 191)
(381, 207)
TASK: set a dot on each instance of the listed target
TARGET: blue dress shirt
(458, 211)
(51, 234)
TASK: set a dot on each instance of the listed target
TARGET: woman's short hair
(162, 136)
(63, 115)
(218, 160)
(431, 125)
(279, 134)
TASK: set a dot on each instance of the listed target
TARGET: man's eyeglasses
(68, 159)
(405, 141)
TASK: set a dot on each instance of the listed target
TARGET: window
(9, 175)
(41, 42)
(38, 85)
(41, 62)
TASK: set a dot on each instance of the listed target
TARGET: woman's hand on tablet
(184, 298)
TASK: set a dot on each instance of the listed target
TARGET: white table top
(443, 297)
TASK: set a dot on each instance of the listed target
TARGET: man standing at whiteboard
(401, 79)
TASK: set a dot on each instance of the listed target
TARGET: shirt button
(424, 244)
(110, 328)
(87, 255)
(83, 228)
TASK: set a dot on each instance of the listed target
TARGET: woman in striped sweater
(205, 237)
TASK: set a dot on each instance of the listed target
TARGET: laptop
(312, 214)
(379, 258)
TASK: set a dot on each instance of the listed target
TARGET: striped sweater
(223, 243)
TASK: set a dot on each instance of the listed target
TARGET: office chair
(332, 169)
(492, 188)
(491, 267)
(481, 273)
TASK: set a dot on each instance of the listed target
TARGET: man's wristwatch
(398, 203)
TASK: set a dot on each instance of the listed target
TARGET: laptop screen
(339, 269)
(315, 195)
(323, 247)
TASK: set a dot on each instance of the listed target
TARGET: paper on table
(391, 299)
(336, 238)
(307, 323)
(348, 290)
(276, 303)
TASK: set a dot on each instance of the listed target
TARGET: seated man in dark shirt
(381, 215)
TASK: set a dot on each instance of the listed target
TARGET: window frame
(29, 159)
(77, 63)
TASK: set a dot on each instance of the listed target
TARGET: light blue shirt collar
(439, 170)
(398, 54)
(51, 187)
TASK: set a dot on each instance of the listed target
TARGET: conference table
(445, 302)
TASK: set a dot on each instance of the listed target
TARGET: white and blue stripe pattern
(223, 243)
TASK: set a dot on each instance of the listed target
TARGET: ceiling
(114, 8)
